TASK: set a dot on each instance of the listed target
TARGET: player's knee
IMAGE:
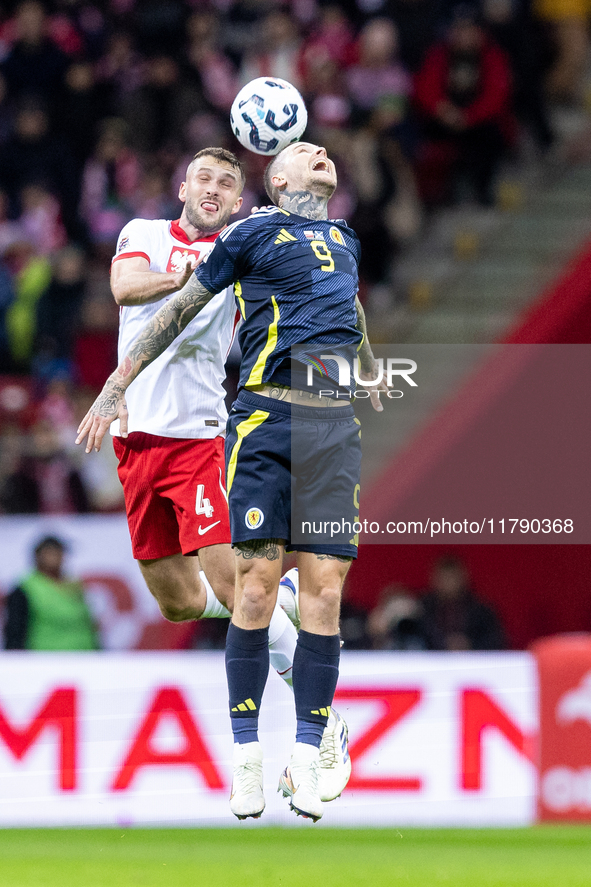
(172, 613)
(175, 610)
(327, 599)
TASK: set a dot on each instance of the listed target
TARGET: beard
(202, 222)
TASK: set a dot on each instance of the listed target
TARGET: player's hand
(190, 265)
(374, 390)
(255, 209)
(109, 405)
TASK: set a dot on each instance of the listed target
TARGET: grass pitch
(271, 857)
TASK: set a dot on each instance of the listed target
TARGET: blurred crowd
(104, 102)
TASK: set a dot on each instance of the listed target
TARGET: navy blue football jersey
(295, 282)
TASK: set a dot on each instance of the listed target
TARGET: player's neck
(194, 233)
(304, 203)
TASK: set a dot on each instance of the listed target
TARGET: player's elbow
(121, 293)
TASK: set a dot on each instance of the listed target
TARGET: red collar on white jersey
(178, 234)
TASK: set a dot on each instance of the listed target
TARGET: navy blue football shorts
(293, 473)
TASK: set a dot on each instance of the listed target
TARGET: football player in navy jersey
(295, 279)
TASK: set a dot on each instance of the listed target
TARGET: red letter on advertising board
(395, 705)
(479, 712)
(60, 712)
(168, 701)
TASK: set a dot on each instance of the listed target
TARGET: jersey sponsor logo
(178, 258)
(337, 236)
(123, 243)
(284, 237)
(202, 530)
(253, 518)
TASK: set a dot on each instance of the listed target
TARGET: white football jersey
(180, 394)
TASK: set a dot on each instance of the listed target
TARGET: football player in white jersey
(171, 455)
(170, 444)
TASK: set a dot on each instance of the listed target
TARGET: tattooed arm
(155, 338)
(368, 366)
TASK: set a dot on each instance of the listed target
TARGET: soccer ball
(267, 115)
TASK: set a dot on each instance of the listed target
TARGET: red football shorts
(175, 494)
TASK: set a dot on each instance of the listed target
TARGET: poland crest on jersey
(178, 259)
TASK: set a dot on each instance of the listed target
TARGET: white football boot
(289, 596)
(247, 797)
(299, 782)
(335, 761)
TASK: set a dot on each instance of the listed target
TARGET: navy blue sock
(247, 668)
(315, 676)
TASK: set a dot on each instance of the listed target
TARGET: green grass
(303, 856)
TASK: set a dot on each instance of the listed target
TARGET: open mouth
(209, 206)
(321, 165)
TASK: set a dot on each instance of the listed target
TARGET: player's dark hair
(223, 156)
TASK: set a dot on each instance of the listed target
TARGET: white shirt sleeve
(136, 239)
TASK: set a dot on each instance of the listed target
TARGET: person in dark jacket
(454, 618)
(463, 95)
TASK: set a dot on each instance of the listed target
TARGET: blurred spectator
(97, 470)
(31, 274)
(463, 93)
(44, 479)
(242, 27)
(10, 231)
(35, 65)
(95, 345)
(389, 211)
(417, 22)
(6, 297)
(395, 623)
(5, 111)
(330, 40)
(453, 616)
(47, 610)
(511, 25)
(41, 220)
(154, 198)
(58, 317)
(118, 71)
(378, 74)
(159, 25)
(278, 50)
(111, 177)
(353, 625)
(327, 100)
(157, 110)
(81, 107)
(33, 154)
(568, 21)
(212, 69)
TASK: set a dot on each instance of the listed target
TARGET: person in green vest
(47, 611)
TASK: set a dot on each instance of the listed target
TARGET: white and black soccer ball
(267, 115)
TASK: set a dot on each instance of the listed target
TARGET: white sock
(213, 608)
(282, 643)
